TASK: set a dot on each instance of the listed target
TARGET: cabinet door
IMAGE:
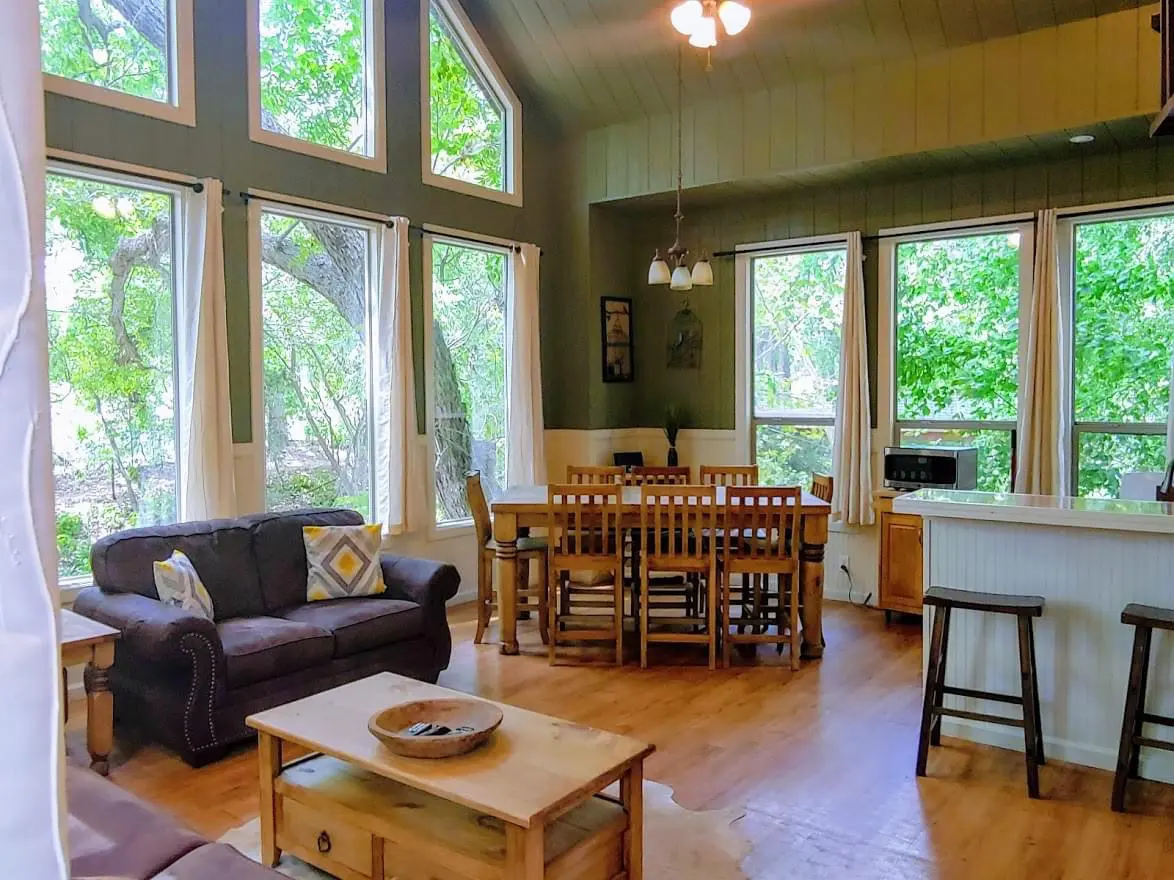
(902, 555)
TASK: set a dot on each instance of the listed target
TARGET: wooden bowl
(389, 726)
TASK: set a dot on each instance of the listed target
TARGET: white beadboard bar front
(1088, 558)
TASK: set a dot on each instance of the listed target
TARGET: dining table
(520, 508)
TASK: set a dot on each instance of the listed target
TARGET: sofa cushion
(280, 551)
(260, 648)
(220, 550)
(114, 834)
(361, 624)
(217, 861)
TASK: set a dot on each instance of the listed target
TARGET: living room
(485, 359)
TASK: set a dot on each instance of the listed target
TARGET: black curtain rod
(193, 185)
(423, 230)
(245, 197)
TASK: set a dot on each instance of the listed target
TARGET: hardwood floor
(822, 760)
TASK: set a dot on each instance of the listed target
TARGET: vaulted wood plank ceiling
(595, 62)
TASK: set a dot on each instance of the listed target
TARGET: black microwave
(911, 467)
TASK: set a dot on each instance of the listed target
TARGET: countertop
(1087, 513)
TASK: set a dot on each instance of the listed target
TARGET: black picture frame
(616, 335)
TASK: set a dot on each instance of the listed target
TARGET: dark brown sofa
(191, 682)
(113, 834)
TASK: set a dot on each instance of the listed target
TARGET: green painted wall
(219, 146)
(865, 204)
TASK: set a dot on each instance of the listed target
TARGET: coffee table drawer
(323, 839)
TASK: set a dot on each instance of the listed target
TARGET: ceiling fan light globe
(705, 33)
(682, 279)
(735, 16)
(686, 15)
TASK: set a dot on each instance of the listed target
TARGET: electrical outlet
(843, 565)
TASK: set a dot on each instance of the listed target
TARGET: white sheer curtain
(396, 505)
(30, 677)
(852, 452)
(1042, 467)
(205, 418)
(525, 446)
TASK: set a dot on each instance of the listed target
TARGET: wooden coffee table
(524, 806)
(92, 643)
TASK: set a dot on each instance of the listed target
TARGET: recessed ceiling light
(1081, 139)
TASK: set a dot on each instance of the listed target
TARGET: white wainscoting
(1083, 650)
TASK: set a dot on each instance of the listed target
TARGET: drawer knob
(323, 842)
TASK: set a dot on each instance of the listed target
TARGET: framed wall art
(619, 363)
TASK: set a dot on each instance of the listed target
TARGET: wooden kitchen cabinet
(900, 582)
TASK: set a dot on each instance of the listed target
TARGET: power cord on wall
(867, 599)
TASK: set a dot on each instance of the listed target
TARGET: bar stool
(1144, 619)
(1024, 608)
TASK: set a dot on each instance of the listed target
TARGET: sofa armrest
(151, 630)
(427, 583)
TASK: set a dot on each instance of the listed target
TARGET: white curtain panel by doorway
(396, 505)
(30, 675)
(1041, 459)
(205, 447)
(525, 446)
(852, 449)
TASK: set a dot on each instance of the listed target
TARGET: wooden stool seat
(1145, 619)
(1025, 609)
(1148, 615)
(994, 603)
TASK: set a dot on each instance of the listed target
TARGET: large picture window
(468, 296)
(797, 308)
(316, 78)
(1123, 339)
(473, 118)
(316, 301)
(957, 304)
(132, 54)
(109, 275)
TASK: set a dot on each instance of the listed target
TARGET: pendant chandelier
(697, 20)
(673, 269)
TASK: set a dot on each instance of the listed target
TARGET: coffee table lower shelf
(357, 825)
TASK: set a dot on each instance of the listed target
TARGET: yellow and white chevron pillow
(343, 561)
(178, 584)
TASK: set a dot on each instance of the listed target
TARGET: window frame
(102, 172)
(180, 108)
(888, 421)
(438, 530)
(375, 86)
(485, 69)
(746, 255)
(1066, 228)
(287, 206)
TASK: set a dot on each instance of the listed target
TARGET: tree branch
(144, 249)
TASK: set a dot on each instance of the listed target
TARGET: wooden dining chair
(591, 474)
(729, 475)
(769, 518)
(822, 486)
(658, 476)
(582, 523)
(530, 599)
(675, 521)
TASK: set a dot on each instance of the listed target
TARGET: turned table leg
(505, 578)
(99, 707)
(815, 535)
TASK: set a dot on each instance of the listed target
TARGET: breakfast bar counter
(1087, 558)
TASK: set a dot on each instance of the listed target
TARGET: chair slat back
(583, 521)
(676, 518)
(658, 476)
(762, 526)
(590, 474)
(478, 507)
(729, 475)
(822, 486)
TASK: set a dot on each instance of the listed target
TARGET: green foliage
(103, 50)
(468, 122)
(73, 543)
(787, 455)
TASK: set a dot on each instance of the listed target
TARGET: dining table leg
(815, 536)
(505, 578)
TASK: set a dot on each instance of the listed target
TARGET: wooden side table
(87, 641)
